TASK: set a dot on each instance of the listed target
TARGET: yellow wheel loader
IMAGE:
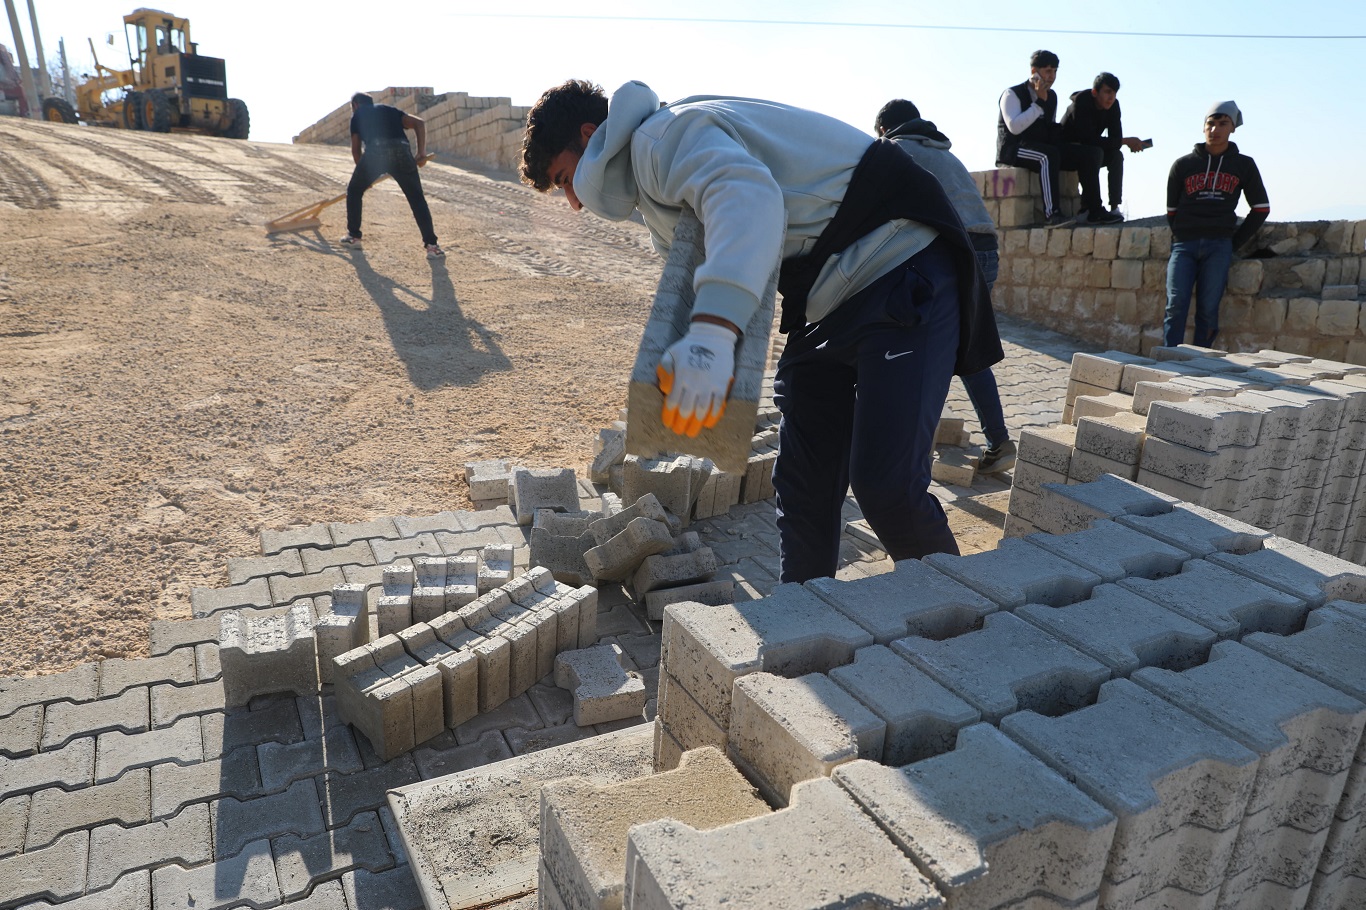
(168, 86)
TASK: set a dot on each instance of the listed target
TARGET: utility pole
(68, 90)
(44, 81)
(25, 71)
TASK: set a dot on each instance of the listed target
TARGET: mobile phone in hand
(1146, 143)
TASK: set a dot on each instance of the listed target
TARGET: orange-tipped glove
(695, 374)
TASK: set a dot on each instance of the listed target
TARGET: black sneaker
(1100, 216)
(997, 459)
(1059, 220)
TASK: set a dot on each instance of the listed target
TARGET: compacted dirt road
(173, 380)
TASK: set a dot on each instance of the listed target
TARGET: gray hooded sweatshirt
(764, 179)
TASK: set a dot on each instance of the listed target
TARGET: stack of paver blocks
(405, 688)
(1272, 439)
(1163, 707)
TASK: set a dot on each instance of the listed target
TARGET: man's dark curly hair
(552, 125)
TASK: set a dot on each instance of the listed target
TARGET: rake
(307, 218)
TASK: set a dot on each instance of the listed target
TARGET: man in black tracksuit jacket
(1093, 119)
(1202, 195)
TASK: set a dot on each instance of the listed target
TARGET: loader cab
(156, 41)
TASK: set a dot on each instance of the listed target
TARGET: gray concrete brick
(515, 712)
(603, 689)
(719, 591)
(314, 536)
(1105, 370)
(621, 554)
(388, 551)
(207, 601)
(1049, 448)
(823, 845)
(523, 742)
(394, 889)
(243, 569)
(282, 764)
(184, 839)
(120, 752)
(270, 653)
(1072, 508)
(55, 873)
(1008, 666)
(64, 721)
(345, 795)
(1028, 837)
(246, 877)
(496, 567)
(665, 570)
(168, 634)
(1177, 787)
(409, 526)
(118, 674)
(1232, 605)
(439, 758)
(1328, 648)
(488, 480)
(302, 863)
(272, 719)
(1300, 571)
(1208, 424)
(1018, 572)
(21, 732)
(131, 892)
(285, 589)
(483, 518)
(533, 489)
(69, 767)
(922, 717)
(207, 667)
(1118, 438)
(1198, 531)
(462, 574)
(1114, 551)
(176, 786)
(81, 683)
(356, 553)
(55, 812)
(912, 599)
(790, 633)
(236, 823)
(170, 703)
(344, 533)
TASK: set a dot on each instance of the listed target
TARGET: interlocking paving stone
(131, 892)
(271, 719)
(243, 569)
(247, 877)
(171, 703)
(357, 553)
(184, 839)
(344, 533)
(409, 526)
(442, 756)
(166, 635)
(314, 535)
(236, 823)
(14, 812)
(175, 786)
(515, 712)
(69, 767)
(285, 589)
(118, 752)
(54, 873)
(387, 551)
(318, 715)
(555, 705)
(208, 601)
(282, 763)
(55, 811)
(65, 721)
(327, 896)
(206, 662)
(19, 733)
(118, 674)
(395, 889)
(302, 862)
(344, 795)
(524, 741)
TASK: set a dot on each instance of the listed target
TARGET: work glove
(695, 374)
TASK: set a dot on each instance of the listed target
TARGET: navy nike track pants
(861, 393)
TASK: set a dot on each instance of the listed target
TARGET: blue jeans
(986, 400)
(861, 392)
(1203, 265)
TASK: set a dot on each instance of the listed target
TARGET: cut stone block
(563, 555)
(728, 443)
(676, 481)
(489, 480)
(616, 559)
(1019, 572)
(820, 852)
(1072, 508)
(1300, 571)
(267, 652)
(715, 593)
(1230, 604)
(603, 689)
(1208, 424)
(495, 567)
(1049, 448)
(1105, 370)
(1114, 551)
(1124, 631)
(614, 522)
(784, 731)
(1118, 438)
(789, 633)
(1198, 531)
(534, 489)
(1008, 666)
(1177, 787)
(684, 720)
(460, 686)
(663, 570)
(495, 671)
(1027, 838)
(912, 599)
(584, 827)
(462, 581)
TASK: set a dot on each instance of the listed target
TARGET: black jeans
(396, 161)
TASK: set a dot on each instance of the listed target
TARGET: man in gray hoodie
(900, 121)
(882, 297)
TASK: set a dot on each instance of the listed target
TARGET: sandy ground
(173, 380)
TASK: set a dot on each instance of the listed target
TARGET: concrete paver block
(616, 559)
(1299, 570)
(819, 852)
(489, 480)
(1018, 572)
(460, 686)
(1028, 836)
(1208, 424)
(495, 567)
(70, 767)
(495, 671)
(282, 763)
(790, 633)
(562, 554)
(1008, 666)
(1106, 369)
(1049, 448)
(55, 873)
(603, 689)
(1232, 605)
(716, 592)
(302, 862)
(665, 570)
(55, 811)
(207, 601)
(237, 823)
(913, 599)
(613, 523)
(1113, 551)
(1177, 787)
(63, 721)
(267, 654)
(684, 722)
(243, 569)
(584, 827)
(675, 481)
(201, 888)
(81, 683)
(1124, 631)
(534, 489)
(462, 580)
(1118, 438)
(1073, 508)
(1198, 531)
(182, 742)
(184, 839)
(119, 673)
(523, 656)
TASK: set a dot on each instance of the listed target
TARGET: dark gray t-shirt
(378, 124)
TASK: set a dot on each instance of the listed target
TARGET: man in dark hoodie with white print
(1202, 198)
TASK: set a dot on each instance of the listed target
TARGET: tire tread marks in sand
(180, 187)
(21, 185)
(535, 261)
(82, 176)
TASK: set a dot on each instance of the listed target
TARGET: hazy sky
(1302, 98)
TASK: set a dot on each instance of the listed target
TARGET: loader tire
(132, 111)
(156, 111)
(58, 110)
(241, 119)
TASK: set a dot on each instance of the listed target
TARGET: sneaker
(348, 240)
(997, 459)
(434, 251)
(1100, 216)
(1059, 220)
(1114, 210)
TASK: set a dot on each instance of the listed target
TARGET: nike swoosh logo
(890, 356)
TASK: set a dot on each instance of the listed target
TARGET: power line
(947, 28)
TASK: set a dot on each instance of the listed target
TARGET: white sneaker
(348, 240)
(1115, 210)
(435, 252)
